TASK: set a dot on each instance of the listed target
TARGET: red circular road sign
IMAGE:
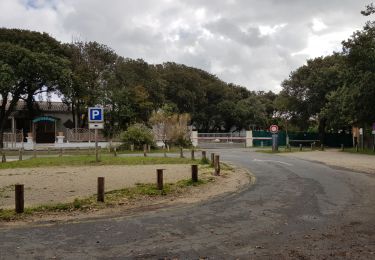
(274, 129)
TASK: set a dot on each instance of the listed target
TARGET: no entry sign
(274, 129)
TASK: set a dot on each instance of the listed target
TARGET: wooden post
(145, 150)
(149, 148)
(342, 147)
(100, 189)
(312, 146)
(181, 152)
(19, 198)
(300, 147)
(115, 151)
(20, 154)
(159, 176)
(322, 147)
(212, 160)
(3, 158)
(204, 156)
(192, 154)
(132, 147)
(194, 173)
(217, 165)
(168, 147)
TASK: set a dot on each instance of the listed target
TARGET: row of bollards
(20, 195)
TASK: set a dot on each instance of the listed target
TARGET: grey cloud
(223, 37)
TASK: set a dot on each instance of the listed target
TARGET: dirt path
(352, 161)
(63, 184)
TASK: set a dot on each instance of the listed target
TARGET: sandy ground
(352, 161)
(63, 184)
(230, 181)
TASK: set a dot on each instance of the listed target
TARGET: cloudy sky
(254, 43)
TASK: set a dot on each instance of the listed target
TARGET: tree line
(326, 94)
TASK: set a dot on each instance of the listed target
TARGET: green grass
(86, 160)
(112, 198)
(360, 151)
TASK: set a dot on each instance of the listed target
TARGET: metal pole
(96, 146)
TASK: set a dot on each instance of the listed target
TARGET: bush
(137, 134)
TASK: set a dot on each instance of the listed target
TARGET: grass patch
(90, 161)
(112, 198)
(360, 151)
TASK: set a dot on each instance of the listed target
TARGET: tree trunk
(322, 130)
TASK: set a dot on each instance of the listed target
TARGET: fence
(11, 138)
(84, 135)
(297, 138)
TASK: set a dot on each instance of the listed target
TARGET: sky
(253, 43)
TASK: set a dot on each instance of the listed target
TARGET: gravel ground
(352, 161)
(63, 184)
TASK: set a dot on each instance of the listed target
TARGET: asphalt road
(296, 210)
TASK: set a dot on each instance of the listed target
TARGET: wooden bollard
(194, 173)
(145, 150)
(167, 147)
(100, 189)
(322, 147)
(159, 178)
(212, 163)
(20, 154)
(19, 198)
(217, 165)
(3, 158)
(300, 147)
(115, 151)
(312, 146)
(204, 156)
(192, 154)
(181, 152)
(342, 147)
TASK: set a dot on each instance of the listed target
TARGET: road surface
(296, 210)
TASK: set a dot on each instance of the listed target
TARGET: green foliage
(138, 135)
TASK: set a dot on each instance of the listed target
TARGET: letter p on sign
(95, 114)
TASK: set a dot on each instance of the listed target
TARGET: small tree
(171, 128)
(138, 135)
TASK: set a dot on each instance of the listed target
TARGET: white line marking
(257, 160)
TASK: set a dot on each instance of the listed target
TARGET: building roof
(45, 106)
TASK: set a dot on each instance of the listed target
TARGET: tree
(171, 128)
(307, 89)
(90, 61)
(31, 63)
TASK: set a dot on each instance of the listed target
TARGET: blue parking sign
(96, 114)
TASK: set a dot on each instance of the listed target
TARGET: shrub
(137, 134)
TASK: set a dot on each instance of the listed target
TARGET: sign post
(274, 129)
(96, 118)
